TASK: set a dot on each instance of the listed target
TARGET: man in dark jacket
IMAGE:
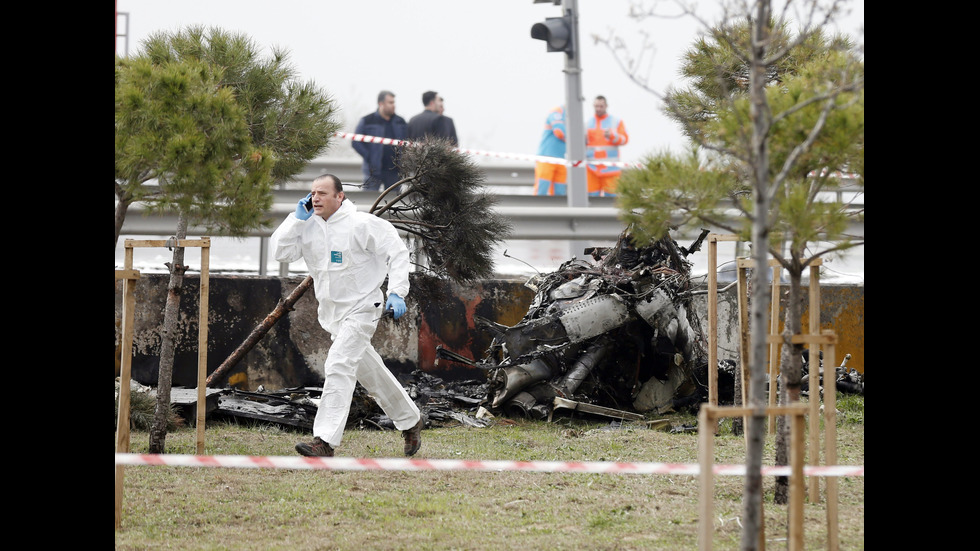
(431, 121)
(379, 159)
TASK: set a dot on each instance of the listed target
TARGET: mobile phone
(308, 204)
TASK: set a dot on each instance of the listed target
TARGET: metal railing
(532, 217)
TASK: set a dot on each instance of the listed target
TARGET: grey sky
(498, 82)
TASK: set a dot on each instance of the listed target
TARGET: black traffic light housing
(557, 34)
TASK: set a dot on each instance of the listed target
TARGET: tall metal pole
(578, 195)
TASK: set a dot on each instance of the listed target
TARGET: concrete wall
(439, 313)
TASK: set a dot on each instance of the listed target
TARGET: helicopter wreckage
(617, 337)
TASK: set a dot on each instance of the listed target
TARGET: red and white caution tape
(407, 464)
(534, 158)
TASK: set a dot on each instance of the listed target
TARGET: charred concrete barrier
(294, 350)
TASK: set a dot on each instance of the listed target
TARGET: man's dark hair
(603, 98)
(337, 185)
(428, 97)
(383, 94)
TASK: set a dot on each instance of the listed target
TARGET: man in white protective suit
(348, 254)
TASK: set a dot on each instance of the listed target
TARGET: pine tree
(206, 127)
(772, 118)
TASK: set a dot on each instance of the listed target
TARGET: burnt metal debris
(441, 402)
(618, 337)
(615, 337)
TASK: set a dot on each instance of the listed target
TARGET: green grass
(851, 408)
(222, 508)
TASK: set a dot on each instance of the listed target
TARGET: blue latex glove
(396, 304)
(301, 211)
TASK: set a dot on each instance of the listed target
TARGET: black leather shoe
(317, 448)
(413, 438)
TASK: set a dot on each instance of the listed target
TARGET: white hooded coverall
(348, 256)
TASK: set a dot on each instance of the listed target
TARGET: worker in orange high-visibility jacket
(604, 134)
(552, 178)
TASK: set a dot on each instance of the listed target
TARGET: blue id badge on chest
(336, 257)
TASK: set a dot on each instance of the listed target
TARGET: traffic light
(556, 32)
